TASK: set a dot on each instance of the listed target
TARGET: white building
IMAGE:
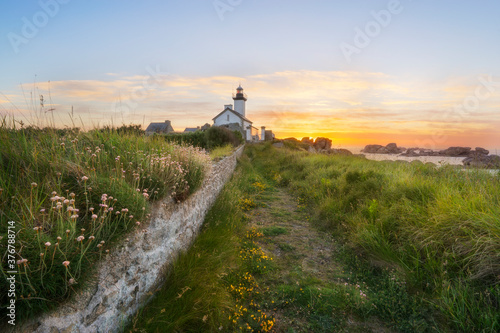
(236, 119)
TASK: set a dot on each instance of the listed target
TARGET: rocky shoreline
(320, 145)
(478, 157)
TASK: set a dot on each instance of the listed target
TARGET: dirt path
(305, 268)
(292, 242)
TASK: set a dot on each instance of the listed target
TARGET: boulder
(456, 151)
(482, 151)
(311, 149)
(383, 150)
(371, 149)
(483, 161)
(291, 140)
(411, 152)
(425, 152)
(392, 148)
(307, 140)
(322, 144)
(340, 152)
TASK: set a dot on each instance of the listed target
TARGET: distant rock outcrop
(307, 140)
(483, 161)
(322, 144)
(340, 151)
(372, 149)
(480, 151)
(456, 151)
(391, 148)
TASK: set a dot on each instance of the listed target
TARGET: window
(227, 117)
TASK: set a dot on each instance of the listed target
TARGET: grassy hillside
(406, 247)
(435, 231)
(66, 196)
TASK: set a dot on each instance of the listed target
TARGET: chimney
(230, 106)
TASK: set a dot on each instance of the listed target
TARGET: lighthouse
(239, 101)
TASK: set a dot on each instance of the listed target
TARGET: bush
(196, 139)
(212, 138)
(220, 136)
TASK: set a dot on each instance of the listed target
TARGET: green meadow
(296, 242)
(301, 242)
(67, 197)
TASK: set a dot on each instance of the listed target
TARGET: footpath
(309, 287)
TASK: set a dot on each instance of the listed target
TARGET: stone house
(159, 128)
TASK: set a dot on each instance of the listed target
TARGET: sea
(438, 160)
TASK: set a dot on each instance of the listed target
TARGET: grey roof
(160, 127)
(236, 113)
(191, 129)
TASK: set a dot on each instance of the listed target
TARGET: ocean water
(438, 160)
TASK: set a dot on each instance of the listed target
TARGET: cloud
(301, 101)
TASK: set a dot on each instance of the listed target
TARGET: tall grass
(213, 286)
(70, 194)
(438, 229)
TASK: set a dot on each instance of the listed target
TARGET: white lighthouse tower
(239, 101)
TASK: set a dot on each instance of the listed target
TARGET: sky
(420, 73)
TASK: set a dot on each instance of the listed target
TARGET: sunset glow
(299, 80)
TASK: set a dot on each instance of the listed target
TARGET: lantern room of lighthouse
(240, 99)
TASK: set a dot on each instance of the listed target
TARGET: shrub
(220, 136)
(210, 139)
(196, 139)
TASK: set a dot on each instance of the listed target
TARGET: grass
(220, 152)
(66, 196)
(416, 249)
(228, 282)
(273, 231)
(425, 239)
(214, 285)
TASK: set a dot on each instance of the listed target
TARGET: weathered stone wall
(130, 273)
